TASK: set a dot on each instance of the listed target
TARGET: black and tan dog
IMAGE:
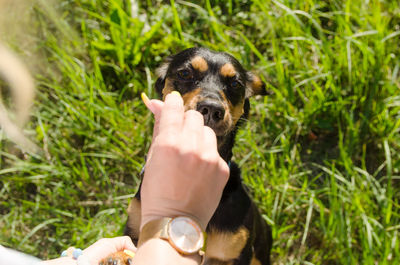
(216, 85)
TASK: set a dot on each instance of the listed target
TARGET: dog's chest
(224, 247)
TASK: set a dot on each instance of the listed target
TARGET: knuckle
(208, 132)
(193, 113)
(211, 159)
(190, 156)
(194, 116)
(173, 107)
(171, 149)
(224, 169)
(210, 162)
(127, 238)
(103, 240)
(166, 148)
(167, 139)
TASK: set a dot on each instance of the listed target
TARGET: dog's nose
(212, 111)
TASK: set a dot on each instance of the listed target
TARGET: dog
(216, 85)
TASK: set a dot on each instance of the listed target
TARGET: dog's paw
(119, 258)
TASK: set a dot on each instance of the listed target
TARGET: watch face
(185, 235)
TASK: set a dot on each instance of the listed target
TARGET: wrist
(146, 218)
(159, 251)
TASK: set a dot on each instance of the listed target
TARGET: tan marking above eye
(226, 246)
(228, 70)
(199, 63)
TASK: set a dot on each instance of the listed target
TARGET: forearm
(158, 251)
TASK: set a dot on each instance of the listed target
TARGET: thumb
(155, 107)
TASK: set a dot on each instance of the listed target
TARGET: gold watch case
(182, 232)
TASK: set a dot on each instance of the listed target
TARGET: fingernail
(145, 99)
(176, 93)
(129, 253)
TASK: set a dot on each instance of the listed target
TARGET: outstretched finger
(209, 140)
(210, 151)
(172, 114)
(155, 106)
(122, 243)
(107, 246)
(192, 130)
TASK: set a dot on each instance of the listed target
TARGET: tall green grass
(321, 155)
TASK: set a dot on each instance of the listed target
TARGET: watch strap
(159, 229)
(154, 229)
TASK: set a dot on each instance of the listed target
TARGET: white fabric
(12, 257)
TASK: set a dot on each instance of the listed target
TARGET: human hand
(184, 174)
(100, 250)
(107, 247)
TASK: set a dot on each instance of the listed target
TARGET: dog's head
(213, 83)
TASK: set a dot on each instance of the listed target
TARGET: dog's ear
(162, 74)
(255, 86)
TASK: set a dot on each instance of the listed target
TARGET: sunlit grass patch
(320, 155)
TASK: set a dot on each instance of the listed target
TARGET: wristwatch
(183, 233)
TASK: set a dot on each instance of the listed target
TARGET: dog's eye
(185, 74)
(235, 84)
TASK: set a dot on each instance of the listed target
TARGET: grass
(321, 156)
